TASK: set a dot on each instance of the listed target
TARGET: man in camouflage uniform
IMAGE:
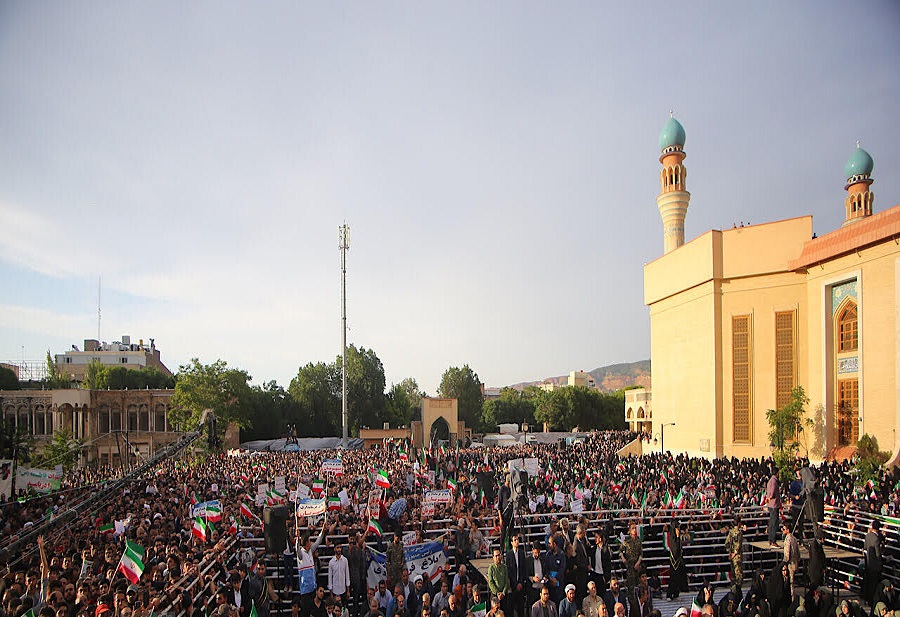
(631, 553)
(395, 561)
(734, 544)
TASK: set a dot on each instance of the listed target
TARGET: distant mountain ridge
(608, 378)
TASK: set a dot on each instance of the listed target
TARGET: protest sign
(427, 559)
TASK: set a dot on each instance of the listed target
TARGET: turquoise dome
(672, 134)
(860, 163)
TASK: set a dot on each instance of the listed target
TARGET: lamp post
(662, 436)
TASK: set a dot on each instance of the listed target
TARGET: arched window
(144, 418)
(38, 422)
(115, 420)
(848, 329)
(132, 418)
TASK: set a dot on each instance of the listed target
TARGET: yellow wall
(693, 293)
(877, 270)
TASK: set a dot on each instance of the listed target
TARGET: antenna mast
(98, 310)
(344, 246)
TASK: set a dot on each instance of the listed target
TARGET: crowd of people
(217, 565)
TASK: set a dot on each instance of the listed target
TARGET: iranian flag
(696, 610)
(108, 528)
(214, 512)
(374, 527)
(318, 486)
(644, 501)
(245, 477)
(132, 564)
(667, 502)
(199, 529)
(451, 484)
(680, 500)
(233, 527)
(403, 455)
(483, 498)
(194, 501)
(382, 480)
(334, 503)
(634, 500)
(246, 512)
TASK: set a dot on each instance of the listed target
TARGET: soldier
(632, 553)
(734, 544)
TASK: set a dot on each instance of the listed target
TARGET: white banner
(439, 496)
(577, 506)
(344, 497)
(279, 484)
(559, 499)
(310, 507)
(427, 559)
(38, 480)
(302, 491)
(333, 465)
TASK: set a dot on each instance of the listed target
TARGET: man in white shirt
(339, 574)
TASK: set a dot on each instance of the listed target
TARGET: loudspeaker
(275, 529)
(518, 482)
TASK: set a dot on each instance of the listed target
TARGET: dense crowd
(572, 570)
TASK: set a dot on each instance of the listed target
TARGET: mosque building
(739, 317)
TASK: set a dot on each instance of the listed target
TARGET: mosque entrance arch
(440, 420)
(439, 431)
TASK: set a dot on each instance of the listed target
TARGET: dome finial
(671, 113)
(857, 143)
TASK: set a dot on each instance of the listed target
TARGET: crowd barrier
(704, 547)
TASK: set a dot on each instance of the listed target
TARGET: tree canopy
(210, 386)
(103, 376)
(463, 384)
(8, 379)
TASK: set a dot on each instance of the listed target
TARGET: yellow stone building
(738, 317)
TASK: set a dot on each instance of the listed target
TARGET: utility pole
(344, 246)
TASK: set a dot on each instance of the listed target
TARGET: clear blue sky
(497, 162)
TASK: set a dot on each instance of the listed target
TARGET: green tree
(95, 377)
(316, 390)
(786, 426)
(512, 407)
(869, 459)
(403, 402)
(15, 442)
(104, 377)
(210, 386)
(63, 450)
(365, 388)
(55, 380)
(463, 384)
(8, 379)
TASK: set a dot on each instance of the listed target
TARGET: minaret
(673, 200)
(859, 198)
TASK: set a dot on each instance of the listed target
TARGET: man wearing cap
(568, 606)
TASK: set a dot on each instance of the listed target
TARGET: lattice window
(784, 357)
(741, 372)
(848, 329)
(848, 412)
